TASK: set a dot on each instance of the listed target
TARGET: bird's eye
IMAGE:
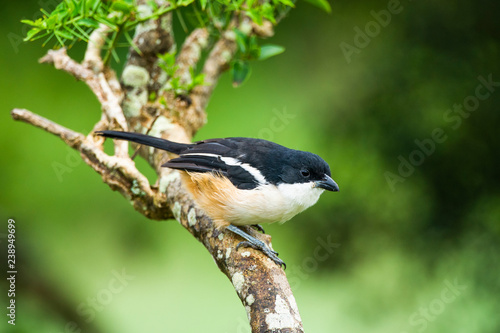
(305, 173)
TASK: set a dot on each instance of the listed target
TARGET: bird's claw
(273, 255)
(256, 244)
(259, 228)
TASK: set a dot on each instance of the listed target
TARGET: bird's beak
(327, 183)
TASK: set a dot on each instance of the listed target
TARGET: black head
(305, 167)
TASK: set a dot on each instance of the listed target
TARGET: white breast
(270, 203)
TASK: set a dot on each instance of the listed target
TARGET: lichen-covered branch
(136, 101)
(151, 38)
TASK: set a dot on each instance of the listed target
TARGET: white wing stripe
(250, 169)
(201, 154)
(234, 162)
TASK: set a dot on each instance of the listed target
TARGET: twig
(217, 62)
(190, 53)
(119, 173)
(71, 138)
(263, 30)
(97, 82)
(97, 39)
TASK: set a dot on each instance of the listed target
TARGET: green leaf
(255, 15)
(89, 23)
(131, 43)
(162, 100)
(122, 6)
(196, 80)
(107, 22)
(268, 12)
(59, 39)
(40, 35)
(168, 62)
(240, 71)
(175, 83)
(31, 34)
(48, 39)
(269, 50)
(93, 5)
(50, 22)
(287, 3)
(32, 23)
(199, 80)
(253, 48)
(241, 40)
(153, 4)
(323, 4)
(184, 3)
(76, 33)
(203, 4)
(82, 33)
(70, 6)
(64, 34)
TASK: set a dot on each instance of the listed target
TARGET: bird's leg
(259, 228)
(256, 244)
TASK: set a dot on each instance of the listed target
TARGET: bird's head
(304, 167)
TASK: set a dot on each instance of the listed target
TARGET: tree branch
(119, 173)
(260, 284)
(71, 138)
(191, 53)
(97, 39)
(97, 82)
(151, 38)
(217, 62)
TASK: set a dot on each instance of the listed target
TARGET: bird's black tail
(147, 140)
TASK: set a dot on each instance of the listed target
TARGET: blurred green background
(418, 253)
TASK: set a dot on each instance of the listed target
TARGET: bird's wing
(198, 163)
(221, 156)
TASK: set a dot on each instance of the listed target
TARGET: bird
(240, 181)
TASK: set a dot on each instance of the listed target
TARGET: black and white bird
(244, 181)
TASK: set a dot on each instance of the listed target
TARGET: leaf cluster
(168, 64)
(75, 20)
(248, 50)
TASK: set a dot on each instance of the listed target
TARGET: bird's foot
(256, 244)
